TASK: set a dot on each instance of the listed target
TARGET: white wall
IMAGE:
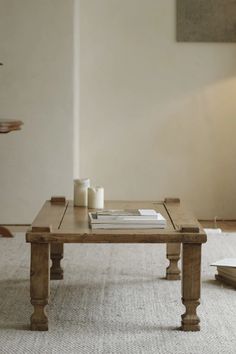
(157, 118)
(36, 86)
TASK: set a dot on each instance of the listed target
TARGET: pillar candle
(96, 197)
(81, 191)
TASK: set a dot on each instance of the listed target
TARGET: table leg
(173, 255)
(39, 285)
(191, 285)
(4, 232)
(56, 272)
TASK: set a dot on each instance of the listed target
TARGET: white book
(158, 220)
(227, 272)
(226, 262)
(127, 214)
(127, 226)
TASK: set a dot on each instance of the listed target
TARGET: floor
(114, 300)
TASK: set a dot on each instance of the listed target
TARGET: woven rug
(114, 299)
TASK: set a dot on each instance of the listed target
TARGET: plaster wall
(36, 86)
(157, 117)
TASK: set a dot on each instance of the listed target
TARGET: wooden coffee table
(60, 222)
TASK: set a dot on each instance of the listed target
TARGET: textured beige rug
(114, 300)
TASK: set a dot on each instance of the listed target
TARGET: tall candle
(81, 191)
(96, 197)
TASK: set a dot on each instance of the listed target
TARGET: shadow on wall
(200, 145)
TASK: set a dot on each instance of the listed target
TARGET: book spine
(127, 218)
(138, 222)
(126, 226)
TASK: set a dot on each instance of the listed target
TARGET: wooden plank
(184, 220)
(116, 236)
(173, 255)
(71, 225)
(56, 254)
(191, 285)
(39, 285)
(49, 216)
(76, 218)
(189, 228)
(58, 200)
(172, 200)
(41, 229)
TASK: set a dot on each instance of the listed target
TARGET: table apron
(73, 238)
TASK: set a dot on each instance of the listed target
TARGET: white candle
(96, 197)
(81, 191)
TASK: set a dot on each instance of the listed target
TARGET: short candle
(96, 197)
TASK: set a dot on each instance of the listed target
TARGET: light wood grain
(116, 236)
(172, 200)
(183, 218)
(189, 228)
(41, 229)
(58, 200)
(56, 271)
(224, 225)
(76, 218)
(57, 224)
(49, 216)
(69, 224)
(39, 285)
(173, 255)
(191, 285)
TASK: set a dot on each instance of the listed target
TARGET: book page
(226, 262)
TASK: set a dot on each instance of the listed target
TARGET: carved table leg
(56, 272)
(173, 255)
(39, 285)
(191, 285)
(4, 232)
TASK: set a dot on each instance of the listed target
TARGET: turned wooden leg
(39, 285)
(56, 272)
(173, 255)
(4, 232)
(191, 285)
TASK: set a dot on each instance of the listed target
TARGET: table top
(60, 221)
(8, 125)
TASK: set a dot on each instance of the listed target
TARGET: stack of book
(127, 219)
(226, 269)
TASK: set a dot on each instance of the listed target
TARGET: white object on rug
(213, 231)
